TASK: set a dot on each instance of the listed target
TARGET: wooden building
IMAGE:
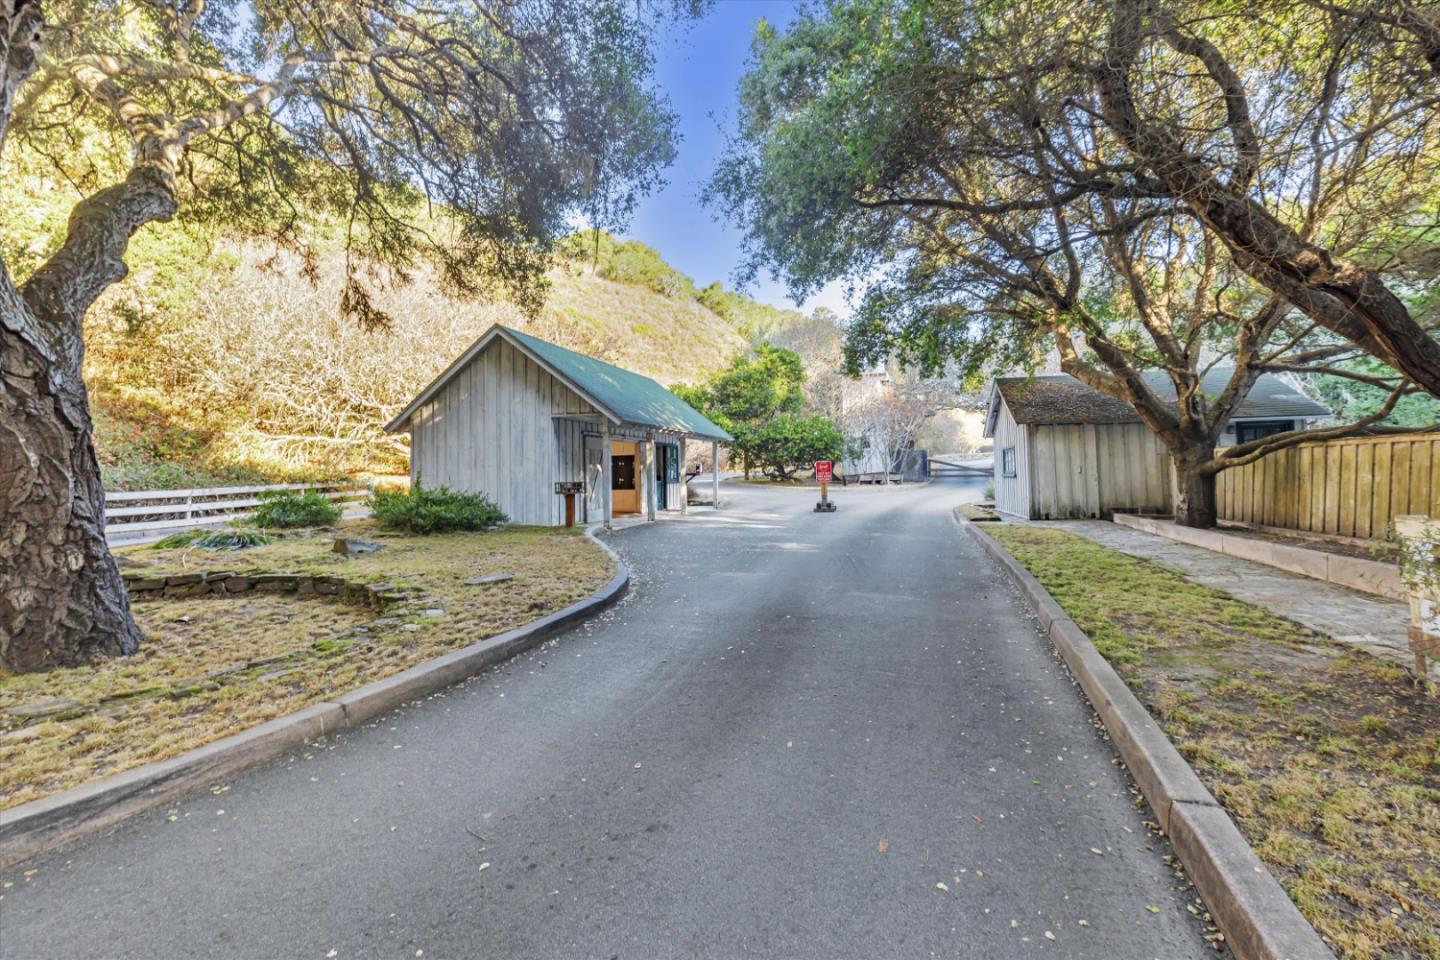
(514, 417)
(1065, 451)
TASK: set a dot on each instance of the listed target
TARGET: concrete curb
(35, 827)
(1367, 576)
(1259, 919)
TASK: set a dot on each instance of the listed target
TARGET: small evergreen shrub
(286, 508)
(213, 539)
(437, 510)
(233, 540)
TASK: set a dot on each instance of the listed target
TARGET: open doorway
(625, 482)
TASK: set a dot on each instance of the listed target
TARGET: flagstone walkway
(1374, 624)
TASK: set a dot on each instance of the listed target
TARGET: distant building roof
(620, 395)
(1063, 399)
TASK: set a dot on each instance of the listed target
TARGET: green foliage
(286, 508)
(239, 539)
(233, 540)
(756, 389)
(790, 443)
(449, 168)
(635, 264)
(749, 396)
(629, 262)
(434, 510)
(1352, 400)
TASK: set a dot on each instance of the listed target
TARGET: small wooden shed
(515, 417)
(1066, 451)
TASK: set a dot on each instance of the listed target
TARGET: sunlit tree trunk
(62, 600)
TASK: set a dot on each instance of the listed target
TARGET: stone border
(35, 827)
(1367, 576)
(143, 587)
(1257, 916)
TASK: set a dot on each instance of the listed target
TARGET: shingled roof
(1063, 399)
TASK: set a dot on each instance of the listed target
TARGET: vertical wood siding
(1095, 470)
(1012, 494)
(1350, 488)
(493, 429)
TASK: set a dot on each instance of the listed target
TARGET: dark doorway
(662, 457)
(622, 472)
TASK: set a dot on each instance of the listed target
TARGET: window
(1256, 429)
(1007, 462)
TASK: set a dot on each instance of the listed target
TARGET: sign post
(569, 489)
(825, 474)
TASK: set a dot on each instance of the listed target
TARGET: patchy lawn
(1328, 759)
(214, 665)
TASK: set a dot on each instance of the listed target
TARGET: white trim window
(1007, 462)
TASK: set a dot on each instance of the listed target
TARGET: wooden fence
(1349, 488)
(144, 512)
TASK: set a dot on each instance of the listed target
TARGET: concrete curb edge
(1257, 916)
(34, 827)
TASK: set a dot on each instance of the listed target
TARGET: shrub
(213, 539)
(437, 510)
(788, 443)
(233, 540)
(286, 508)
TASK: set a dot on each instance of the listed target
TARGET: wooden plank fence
(1351, 488)
(147, 511)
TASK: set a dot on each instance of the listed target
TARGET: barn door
(594, 475)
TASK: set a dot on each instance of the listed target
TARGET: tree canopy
(1020, 177)
(757, 399)
(462, 134)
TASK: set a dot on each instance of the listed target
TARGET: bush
(213, 539)
(233, 540)
(787, 444)
(286, 508)
(438, 510)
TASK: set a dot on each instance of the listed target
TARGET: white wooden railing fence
(147, 511)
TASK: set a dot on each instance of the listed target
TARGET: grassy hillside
(232, 367)
(217, 361)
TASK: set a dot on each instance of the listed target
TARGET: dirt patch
(216, 664)
(1328, 759)
(1378, 550)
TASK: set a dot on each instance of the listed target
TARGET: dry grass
(1328, 760)
(170, 700)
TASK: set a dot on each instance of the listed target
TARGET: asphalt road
(794, 729)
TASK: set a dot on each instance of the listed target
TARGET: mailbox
(569, 489)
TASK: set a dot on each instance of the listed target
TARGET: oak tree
(462, 134)
(961, 156)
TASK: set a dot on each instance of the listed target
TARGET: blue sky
(699, 67)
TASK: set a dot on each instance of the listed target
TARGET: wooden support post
(684, 482)
(647, 449)
(606, 477)
(715, 474)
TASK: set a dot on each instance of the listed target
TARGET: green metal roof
(629, 396)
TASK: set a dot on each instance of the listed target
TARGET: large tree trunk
(62, 601)
(1195, 504)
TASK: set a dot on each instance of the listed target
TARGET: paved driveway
(794, 730)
